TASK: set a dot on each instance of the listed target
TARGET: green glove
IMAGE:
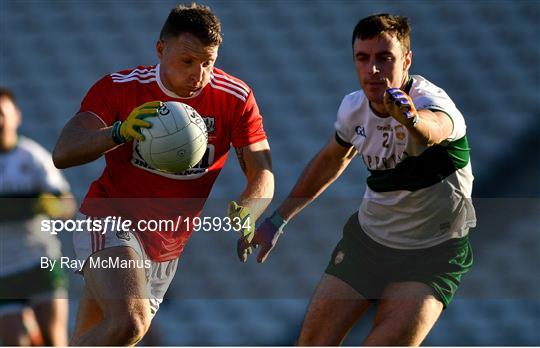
(130, 129)
(49, 205)
(242, 222)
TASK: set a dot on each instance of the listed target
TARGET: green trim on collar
(408, 85)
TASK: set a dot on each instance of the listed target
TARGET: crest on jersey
(400, 132)
(210, 123)
(339, 257)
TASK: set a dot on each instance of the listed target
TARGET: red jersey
(131, 188)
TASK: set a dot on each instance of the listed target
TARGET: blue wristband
(116, 137)
(277, 220)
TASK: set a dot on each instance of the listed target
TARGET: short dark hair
(8, 93)
(377, 24)
(194, 19)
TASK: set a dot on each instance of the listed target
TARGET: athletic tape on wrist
(116, 137)
(277, 220)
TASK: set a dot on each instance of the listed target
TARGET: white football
(177, 139)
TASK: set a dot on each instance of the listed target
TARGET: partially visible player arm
(323, 169)
(426, 126)
(84, 139)
(256, 163)
(433, 127)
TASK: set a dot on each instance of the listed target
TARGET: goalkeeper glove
(268, 234)
(401, 107)
(130, 129)
(241, 222)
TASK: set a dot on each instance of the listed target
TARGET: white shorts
(159, 275)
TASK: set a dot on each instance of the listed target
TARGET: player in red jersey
(119, 302)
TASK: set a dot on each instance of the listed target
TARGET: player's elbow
(132, 330)
(127, 329)
(63, 154)
(59, 159)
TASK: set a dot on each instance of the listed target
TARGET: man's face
(185, 64)
(380, 63)
(9, 121)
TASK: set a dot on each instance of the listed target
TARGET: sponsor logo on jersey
(360, 130)
(195, 172)
(386, 128)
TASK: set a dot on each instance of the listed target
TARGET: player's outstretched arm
(323, 169)
(256, 163)
(84, 139)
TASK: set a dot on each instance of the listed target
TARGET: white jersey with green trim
(416, 196)
(26, 171)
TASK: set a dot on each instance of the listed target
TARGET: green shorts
(369, 266)
(31, 285)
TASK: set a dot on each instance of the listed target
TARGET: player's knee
(315, 338)
(135, 328)
(130, 328)
(313, 342)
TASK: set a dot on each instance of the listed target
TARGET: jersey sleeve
(248, 128)
(102, 101)
(343, 129)
(438, 100)
(49, 178)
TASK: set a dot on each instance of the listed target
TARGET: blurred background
(296, 55)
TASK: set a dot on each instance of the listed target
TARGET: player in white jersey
(407, 247)
(30, 188)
